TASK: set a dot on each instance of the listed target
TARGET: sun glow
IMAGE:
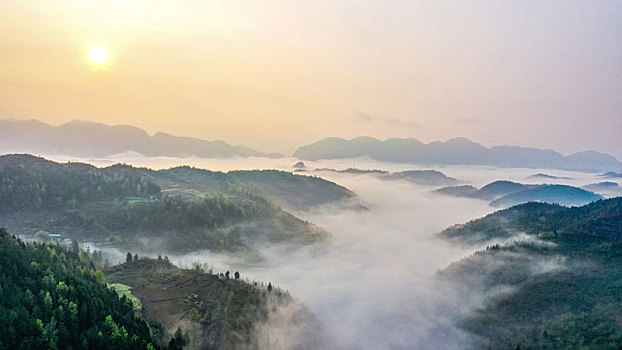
(98, 55)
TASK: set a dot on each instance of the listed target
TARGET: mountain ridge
(456, 151)
(93, 139)
(503, 193)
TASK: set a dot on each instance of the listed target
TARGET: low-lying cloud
(374, 285)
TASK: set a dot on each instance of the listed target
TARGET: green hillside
(175, 210)
(213, 311)
(285, 189)
(558, 289)
(33, 183)
(52, 298)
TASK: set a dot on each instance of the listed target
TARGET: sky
(274, 75)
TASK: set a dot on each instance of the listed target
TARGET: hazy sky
(277, 74)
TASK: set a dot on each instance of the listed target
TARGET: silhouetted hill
(604, 186)
(498, 189)
(507, 193)
(546, 176)
(419, 177)
(558, 194)
(90, 139)
(556, 285)
(455, 151)
(299, 165)
(491, 191)
(458, 191)
(422, 177)
(612, 174)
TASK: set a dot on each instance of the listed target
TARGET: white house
(88, 247)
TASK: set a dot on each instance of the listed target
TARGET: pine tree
(74, 246)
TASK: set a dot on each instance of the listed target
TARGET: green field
(126, 290)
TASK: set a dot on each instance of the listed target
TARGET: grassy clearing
(126, 290)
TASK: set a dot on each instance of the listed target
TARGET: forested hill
(31, 183)
(507, 193)
(175, 210)
(52, 298)
(554, 284)
(284, 188)
(602, 218)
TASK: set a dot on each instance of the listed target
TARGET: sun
(98, 55)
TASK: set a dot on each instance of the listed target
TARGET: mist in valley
(374, 283)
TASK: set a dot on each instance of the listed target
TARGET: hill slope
(216, 311)
(558, 287)
(286, 189)
(178, 209)
(33, 183)
(52, 298)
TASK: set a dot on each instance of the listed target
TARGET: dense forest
(33, 183)
(558, 287)
(181, 208)
(284, 188)
(52, 298)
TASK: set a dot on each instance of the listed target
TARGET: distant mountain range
(89, 139)
(456, 151)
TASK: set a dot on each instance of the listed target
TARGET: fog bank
(372, 285)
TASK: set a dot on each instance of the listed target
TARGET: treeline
(52, 298)
(33, 183)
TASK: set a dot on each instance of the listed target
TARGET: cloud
(466, 121)
(401, 123)
(374, 284)
(365, 117)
